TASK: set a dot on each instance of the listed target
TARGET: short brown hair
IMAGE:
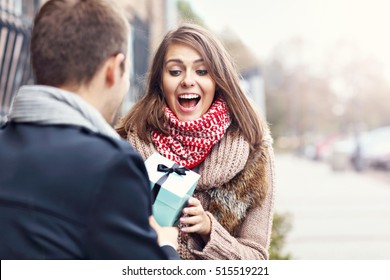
(147, 114)
(72, 38)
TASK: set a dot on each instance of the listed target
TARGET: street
(334, 215)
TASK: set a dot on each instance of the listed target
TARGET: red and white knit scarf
(189, 142)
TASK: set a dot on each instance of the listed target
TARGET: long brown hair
(147, 113)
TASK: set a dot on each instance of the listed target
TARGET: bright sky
(262, 24)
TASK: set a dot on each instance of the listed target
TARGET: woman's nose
(188, 81)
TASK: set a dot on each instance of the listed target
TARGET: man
(69, 188)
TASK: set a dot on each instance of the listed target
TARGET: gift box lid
(180, 185)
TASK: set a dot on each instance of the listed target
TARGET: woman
(195, 113)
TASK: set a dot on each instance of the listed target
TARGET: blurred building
(149, 20)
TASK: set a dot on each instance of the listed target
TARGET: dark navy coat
(69, 193)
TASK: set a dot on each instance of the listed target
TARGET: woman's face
(188, 88)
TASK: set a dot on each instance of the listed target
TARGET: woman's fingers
(192, 211)
(195, 219)
(191, 229)
(194, 207)
(194, 202)
(191, 220)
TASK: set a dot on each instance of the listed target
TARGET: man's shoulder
(107, 141)
(67, 140)
(96, 143)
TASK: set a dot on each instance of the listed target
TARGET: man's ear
(114, 68)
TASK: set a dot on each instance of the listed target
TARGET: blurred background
(318, 70)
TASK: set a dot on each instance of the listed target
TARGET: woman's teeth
(189, 100)
(189, 96)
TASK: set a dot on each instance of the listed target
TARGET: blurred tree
(348, 90)
(187, 14)
(297, 99)
(243, 57)
(360, 85)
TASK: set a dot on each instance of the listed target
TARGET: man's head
(82, 44)
(72, 38)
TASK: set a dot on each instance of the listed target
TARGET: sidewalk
(334, 215)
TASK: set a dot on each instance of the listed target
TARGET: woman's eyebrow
(176, 60)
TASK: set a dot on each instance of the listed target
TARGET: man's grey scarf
(50, 105)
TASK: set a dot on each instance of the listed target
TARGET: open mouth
(189, 100)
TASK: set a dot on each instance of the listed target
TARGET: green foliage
(187, 14)
(281, 226)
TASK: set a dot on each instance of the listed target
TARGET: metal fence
(15, 69)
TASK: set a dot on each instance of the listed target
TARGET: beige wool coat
(236, 189)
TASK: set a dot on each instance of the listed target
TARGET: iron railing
(15, 69)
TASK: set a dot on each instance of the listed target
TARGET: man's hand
(166, 235)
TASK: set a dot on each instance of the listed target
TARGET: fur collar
(247, 189)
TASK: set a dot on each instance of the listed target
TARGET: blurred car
(341, 153)
(323, 148)
(373, 149)
(382, 158)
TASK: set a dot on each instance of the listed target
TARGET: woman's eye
(174, 72)
(202, 72)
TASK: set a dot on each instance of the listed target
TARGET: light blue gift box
(173, 193)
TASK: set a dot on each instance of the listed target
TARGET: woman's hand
(166, 235)
(196, 219)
